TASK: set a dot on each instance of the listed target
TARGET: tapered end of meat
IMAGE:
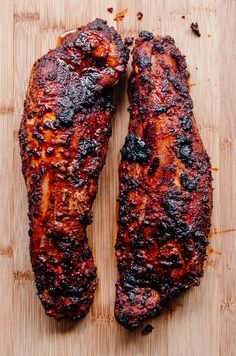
(133, 305)
(66, 281)
(136, 303)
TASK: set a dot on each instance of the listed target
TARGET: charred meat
(165, 186)
(63, 137)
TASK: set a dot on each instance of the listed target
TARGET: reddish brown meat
(165, 186)
(63, 139)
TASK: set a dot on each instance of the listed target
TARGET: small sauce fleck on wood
(147, 329)
(120, 15)
(195, 29)
(139, 15)
(211, 250)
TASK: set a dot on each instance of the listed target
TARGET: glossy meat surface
(63, 137)
(165, 186)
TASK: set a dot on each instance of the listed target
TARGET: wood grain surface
(202, 322)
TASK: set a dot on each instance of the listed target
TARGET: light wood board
(202, 322)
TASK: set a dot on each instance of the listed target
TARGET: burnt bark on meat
(63, 137)
(165, 186)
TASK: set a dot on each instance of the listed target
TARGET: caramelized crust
(63, 137)
(165, 186)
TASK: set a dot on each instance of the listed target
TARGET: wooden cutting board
(200, 323)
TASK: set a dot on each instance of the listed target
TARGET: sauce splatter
(175, 304)
(120, 15)
(147, 329)
(139, 15)
(110, 9)
(214, 232)
(228, 305)
(211, 250)
(23, 275)
(192, 85)
(211, 262)
(6, 252)
(195, 29)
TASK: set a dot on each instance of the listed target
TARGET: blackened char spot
(87, 219)
(171, 207)
(129, 41)
(180, 61)
(154, 166)
(144, 62)
(125, 215)
(52, 76)
(184, 150)
(188, 103)
(135, 150)
(178, 85)
(188, 183)
(88, 90)
(129, 182)
(78, 94)
(167, 40)
(87, 147)
(65, 116)
(38, 135)
(144, 79)
(174, 224)
(159, 48)
(160, 109)
(146, 34)
(83, 41)
(107, 130)
(186, 123)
